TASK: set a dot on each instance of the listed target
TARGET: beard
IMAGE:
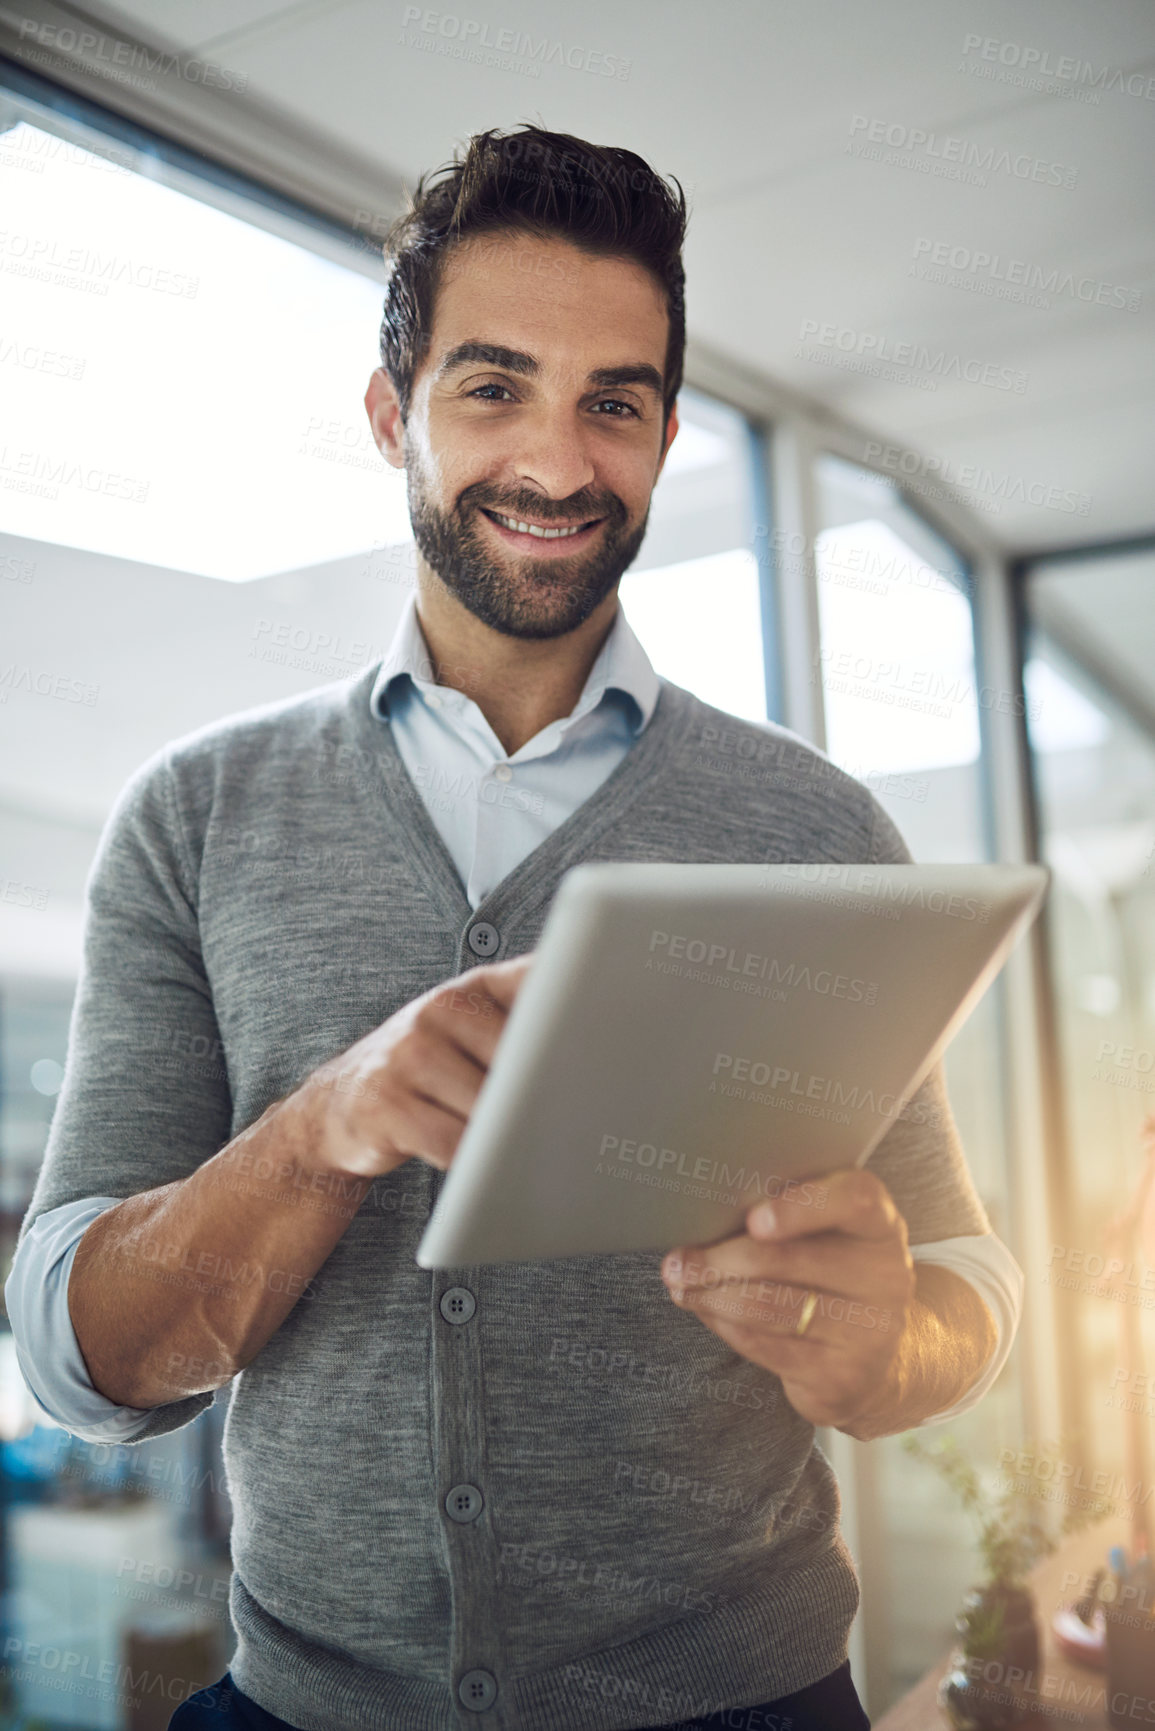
(521, 597)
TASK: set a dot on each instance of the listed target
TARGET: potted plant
(992, 1680)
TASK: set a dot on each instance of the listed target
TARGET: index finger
(850, 1200)
(498, 981)
(502, 979)
(471, 1010)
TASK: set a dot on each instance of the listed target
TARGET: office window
(897, 662)
(693, 594)
(1090, 651)
(903, 701)
(182, 383)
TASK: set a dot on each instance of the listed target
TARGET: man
(452, 1491)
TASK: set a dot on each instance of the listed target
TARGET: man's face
(539, 401)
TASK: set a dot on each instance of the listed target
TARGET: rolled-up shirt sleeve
(47, 1350)
(983, 1260)
(922, 1164)
(136, 1110)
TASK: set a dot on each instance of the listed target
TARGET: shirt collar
(621, 665)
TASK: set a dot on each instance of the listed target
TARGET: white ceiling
(751, 104)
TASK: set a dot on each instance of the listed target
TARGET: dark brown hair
(603, 200)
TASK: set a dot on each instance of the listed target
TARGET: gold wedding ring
(809, 1306)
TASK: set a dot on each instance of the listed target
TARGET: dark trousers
(829, 1705)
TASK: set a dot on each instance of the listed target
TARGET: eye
(617, 403)
(489, 387)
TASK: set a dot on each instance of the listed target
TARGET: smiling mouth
(541, 531)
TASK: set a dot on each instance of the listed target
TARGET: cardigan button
(477, 1690)
(457, 1304)
(482, 938)
(464, 1503)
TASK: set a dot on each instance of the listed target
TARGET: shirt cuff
(984, 1261)
(47, 1350)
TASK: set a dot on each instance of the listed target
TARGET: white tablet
(691, 1038)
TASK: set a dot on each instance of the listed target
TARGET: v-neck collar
(535, 876)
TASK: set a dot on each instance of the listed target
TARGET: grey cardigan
(654, 1531)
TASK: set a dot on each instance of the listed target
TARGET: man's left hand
(844, 1243)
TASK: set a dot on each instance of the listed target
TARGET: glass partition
(1089, 642)
(904, 701)
(693, 595)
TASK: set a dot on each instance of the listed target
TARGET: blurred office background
(909, 513)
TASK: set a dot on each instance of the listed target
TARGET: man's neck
(520, 684)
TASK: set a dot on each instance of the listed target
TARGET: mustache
(545, 511)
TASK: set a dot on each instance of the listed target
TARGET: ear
(671, 431)
(383, 408)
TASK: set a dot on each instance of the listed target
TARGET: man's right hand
(263, 1214)
(408, 1087)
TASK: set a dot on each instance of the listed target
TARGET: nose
(552, 455)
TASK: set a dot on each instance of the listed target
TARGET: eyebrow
(518, 361)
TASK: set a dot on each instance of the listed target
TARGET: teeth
(532, 528)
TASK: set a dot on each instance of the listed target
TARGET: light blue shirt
(491, 811)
